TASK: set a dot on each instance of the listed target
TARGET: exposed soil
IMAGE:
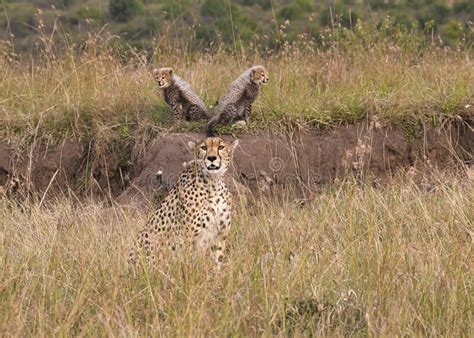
(262, 162)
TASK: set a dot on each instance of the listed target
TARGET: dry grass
(401, 255)
(89, 90)
(405, 253)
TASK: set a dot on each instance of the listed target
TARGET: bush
(436, 10)
(215, 8)
(123, 10)
(453, 31)
(176, 8)
(344, 16)
(295, 10)
(152, 23)
(464, 9)
(88, 12)
(21, 18)
(206, 34)
(265, 4)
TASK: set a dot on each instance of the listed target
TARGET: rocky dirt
(303, 161)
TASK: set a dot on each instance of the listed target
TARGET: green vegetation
(76, 68)
(405, 256)
(234, 22)
(296, 10)
(123, 10)
(396, 74)
(88, 12)
(17, 18)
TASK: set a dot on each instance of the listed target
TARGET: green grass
(209, 20)
(404, 252)
(392, 73)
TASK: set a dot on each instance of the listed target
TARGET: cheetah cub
(179, 95)
(197, 211)
(236, 103)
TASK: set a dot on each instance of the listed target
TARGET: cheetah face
(214, 154)
(259, 75)
(163, 77)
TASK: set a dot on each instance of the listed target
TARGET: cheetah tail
(211, 132)
(211, 128)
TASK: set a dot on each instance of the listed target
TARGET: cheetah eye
(204, 148)
(220, 147)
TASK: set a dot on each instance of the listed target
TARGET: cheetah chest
(217, 213)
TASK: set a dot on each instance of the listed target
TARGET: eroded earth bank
(132, 170)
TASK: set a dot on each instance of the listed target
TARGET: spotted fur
(236, 103)
(197, 211)
(179, 95)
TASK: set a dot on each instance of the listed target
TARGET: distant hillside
(205, 22)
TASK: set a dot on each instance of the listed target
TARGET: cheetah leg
(132, 258)
(219, 249)
(197, 221)
(196, 113)
(242, 116)
(247, 112)
(173, 100)
(225, 117)
(177, 111)
(133, 261)
(145, 250)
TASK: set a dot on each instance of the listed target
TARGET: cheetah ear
(191, 145)
(252, 73)
(155, 71)
(234, 144)
(170, 71)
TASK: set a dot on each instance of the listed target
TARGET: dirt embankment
(262, 162)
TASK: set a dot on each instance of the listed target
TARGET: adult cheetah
(197, 211)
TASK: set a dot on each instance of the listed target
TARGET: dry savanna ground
(393, 260)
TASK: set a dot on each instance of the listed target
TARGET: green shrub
(246, 27)
(288, 13)
(464, 9)
(176, 8)
(295, 10)
(437, 11)
(123, 10)
(20, 18)
(452, 31)
(152, 23)
(134, 29)
(87, 12)
(265, 4)
(243, 29)
(215, 8)
(338, 15)
(206, 34)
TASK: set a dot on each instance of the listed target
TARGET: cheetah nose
(212, 158)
